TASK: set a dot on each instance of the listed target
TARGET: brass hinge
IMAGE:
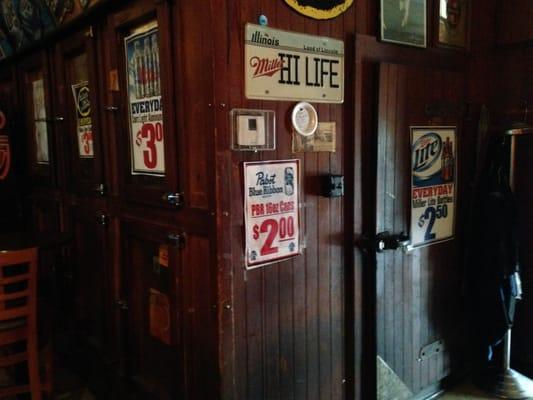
(89, 32)
(176, 240)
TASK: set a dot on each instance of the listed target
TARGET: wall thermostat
(253, 130)
(304, 118)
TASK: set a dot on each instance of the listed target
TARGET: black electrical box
(333, 185)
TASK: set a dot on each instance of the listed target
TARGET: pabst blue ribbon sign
(271, 211)
(281, 65)
(433, 171)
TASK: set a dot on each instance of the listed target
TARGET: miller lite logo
(5, 156)
(426, 156)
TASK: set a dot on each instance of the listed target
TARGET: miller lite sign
(433, 184)
(5, 157)
(281, 65)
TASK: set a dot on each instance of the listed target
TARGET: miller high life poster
(433, 184)
(271, 212)
(144, 98)
(281, 65)
(80, 91)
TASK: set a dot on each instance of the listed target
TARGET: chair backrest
(18, 285)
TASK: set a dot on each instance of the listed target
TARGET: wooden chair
(18, 319)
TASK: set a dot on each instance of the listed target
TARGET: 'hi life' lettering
(318, 71)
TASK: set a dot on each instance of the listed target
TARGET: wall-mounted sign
(271, 212)
(320, 9)
(322, 140)
(145, 106)
(433, 184)
(281, 65)
(5, 156)
(80, 91)
(40, 123)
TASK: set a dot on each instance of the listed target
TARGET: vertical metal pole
(507, 338)
(507, 350)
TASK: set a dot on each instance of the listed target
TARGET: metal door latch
(176, 199)
(383, 241)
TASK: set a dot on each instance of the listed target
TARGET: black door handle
(383, 241)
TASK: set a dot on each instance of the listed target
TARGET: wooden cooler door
(150, 306)
(140, 103)
(39, 120)
(419, 318)
(81, 133)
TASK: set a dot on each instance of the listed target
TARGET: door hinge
(101, 189)
(383, 241)
(175, 199)
(176, 240)
(102, 219)
(121, 304)
(89, 32)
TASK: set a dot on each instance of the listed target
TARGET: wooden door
(417, 291)
(77, 74)
(88, 281)
(140, 102)
(151, 310)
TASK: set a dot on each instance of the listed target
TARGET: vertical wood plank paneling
(414, 296)
(287, 317)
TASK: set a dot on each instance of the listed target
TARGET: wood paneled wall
(299, 329)
(281, 326)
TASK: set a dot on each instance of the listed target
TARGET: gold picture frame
(404, 22)
(453, 23)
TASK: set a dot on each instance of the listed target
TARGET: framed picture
(453, 27)
(404, 22)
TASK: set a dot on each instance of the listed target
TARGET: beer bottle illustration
(451, 159)
(138, 70)
(148, 68)
(155, 66)
(447, 161)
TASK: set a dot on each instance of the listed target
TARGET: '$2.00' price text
(276, 229)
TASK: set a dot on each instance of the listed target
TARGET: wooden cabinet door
(89, 287)
(39, 120)
(77, 60)
(151, 285)
(140, 101)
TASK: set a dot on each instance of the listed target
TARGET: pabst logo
(426, 154)
(5, 156)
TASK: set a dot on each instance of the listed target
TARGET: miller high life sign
(281, 65)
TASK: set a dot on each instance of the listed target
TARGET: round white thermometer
(304, 119)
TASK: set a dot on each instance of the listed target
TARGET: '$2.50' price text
(274, 228)
(431, 214)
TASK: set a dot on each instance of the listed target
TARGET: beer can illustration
(155, 66)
